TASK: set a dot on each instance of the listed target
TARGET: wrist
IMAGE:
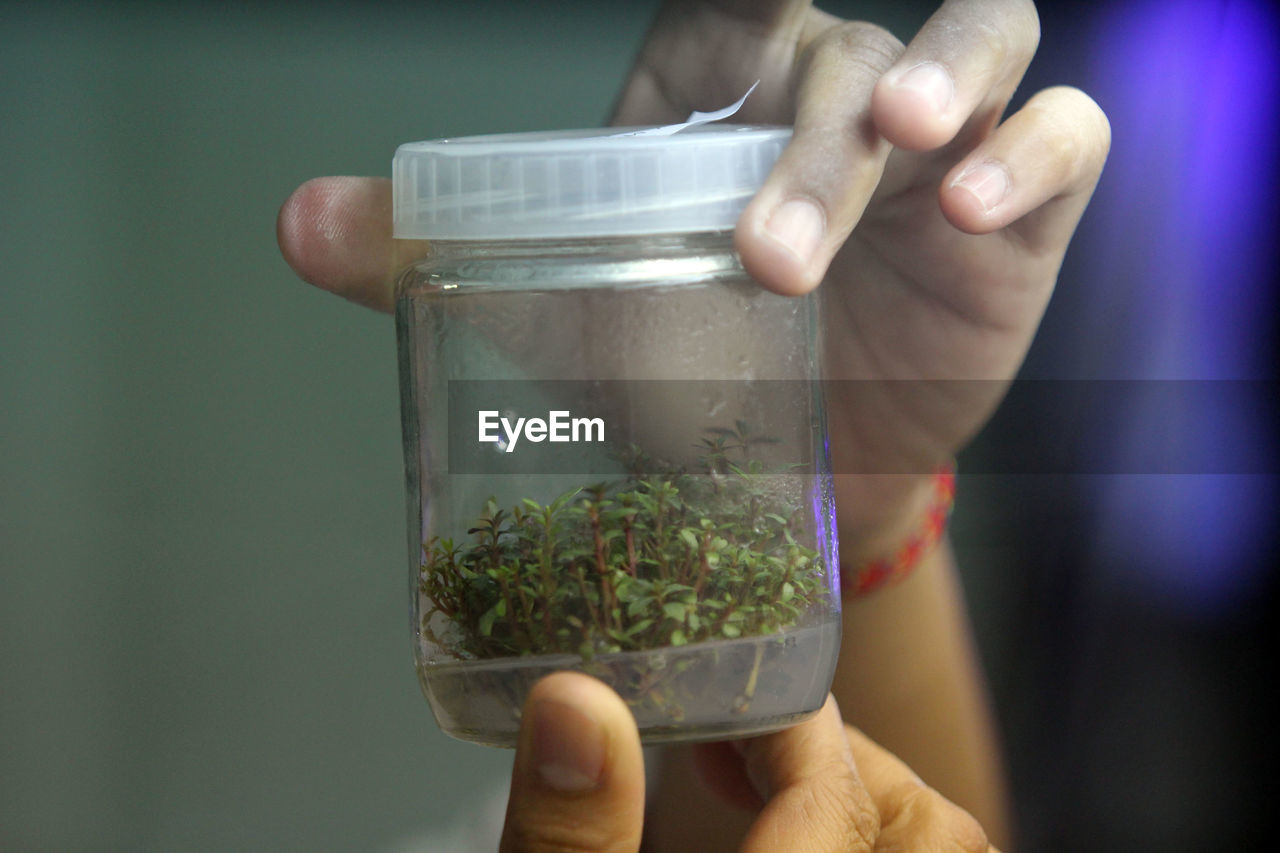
(875, 512)
(897, 526)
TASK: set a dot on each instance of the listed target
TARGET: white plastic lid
(580, 183)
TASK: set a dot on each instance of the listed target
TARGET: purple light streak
(1191, 90)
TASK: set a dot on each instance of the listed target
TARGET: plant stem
(512, 614)
(703, 566)
(631, 549)
(664, 570)
(749, 693)
(591, 608)
(606, 587)
(548, 579)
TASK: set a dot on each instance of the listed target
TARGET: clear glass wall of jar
(616, 463)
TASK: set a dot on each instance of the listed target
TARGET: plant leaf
(638, 627)
(639, 605)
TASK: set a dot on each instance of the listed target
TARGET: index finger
(815, 800)
(818, 189)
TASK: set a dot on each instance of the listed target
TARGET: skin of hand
(578, 783)
(936, 228)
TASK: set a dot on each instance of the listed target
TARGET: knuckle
(963, 832)
(936, 823)
(840, 794)
(1011, 33)
(995, 42)
(542, 835)
(859, 43)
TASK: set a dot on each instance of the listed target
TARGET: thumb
(578, 780)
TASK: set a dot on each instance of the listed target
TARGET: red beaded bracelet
(886, 571)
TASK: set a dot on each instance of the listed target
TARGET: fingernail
(568, 747)
(798, 224)
(988, 182)
(931, 80)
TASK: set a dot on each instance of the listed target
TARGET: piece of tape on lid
(695, 118)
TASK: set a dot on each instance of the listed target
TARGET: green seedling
(636, 564)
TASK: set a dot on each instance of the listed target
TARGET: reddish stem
(704, 568)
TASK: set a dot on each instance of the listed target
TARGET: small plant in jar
(641, 563)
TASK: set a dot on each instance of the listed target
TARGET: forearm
(909, 677)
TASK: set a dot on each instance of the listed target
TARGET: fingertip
(973, 197)
(335, 233)
(911, 107)
(778, 246)
(578, 777)
(579, 733)
(290, 234)
(310, 221)
(831, 721)
(569, 746)
(963, 211)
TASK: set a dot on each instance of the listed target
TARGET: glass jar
(614, 439)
